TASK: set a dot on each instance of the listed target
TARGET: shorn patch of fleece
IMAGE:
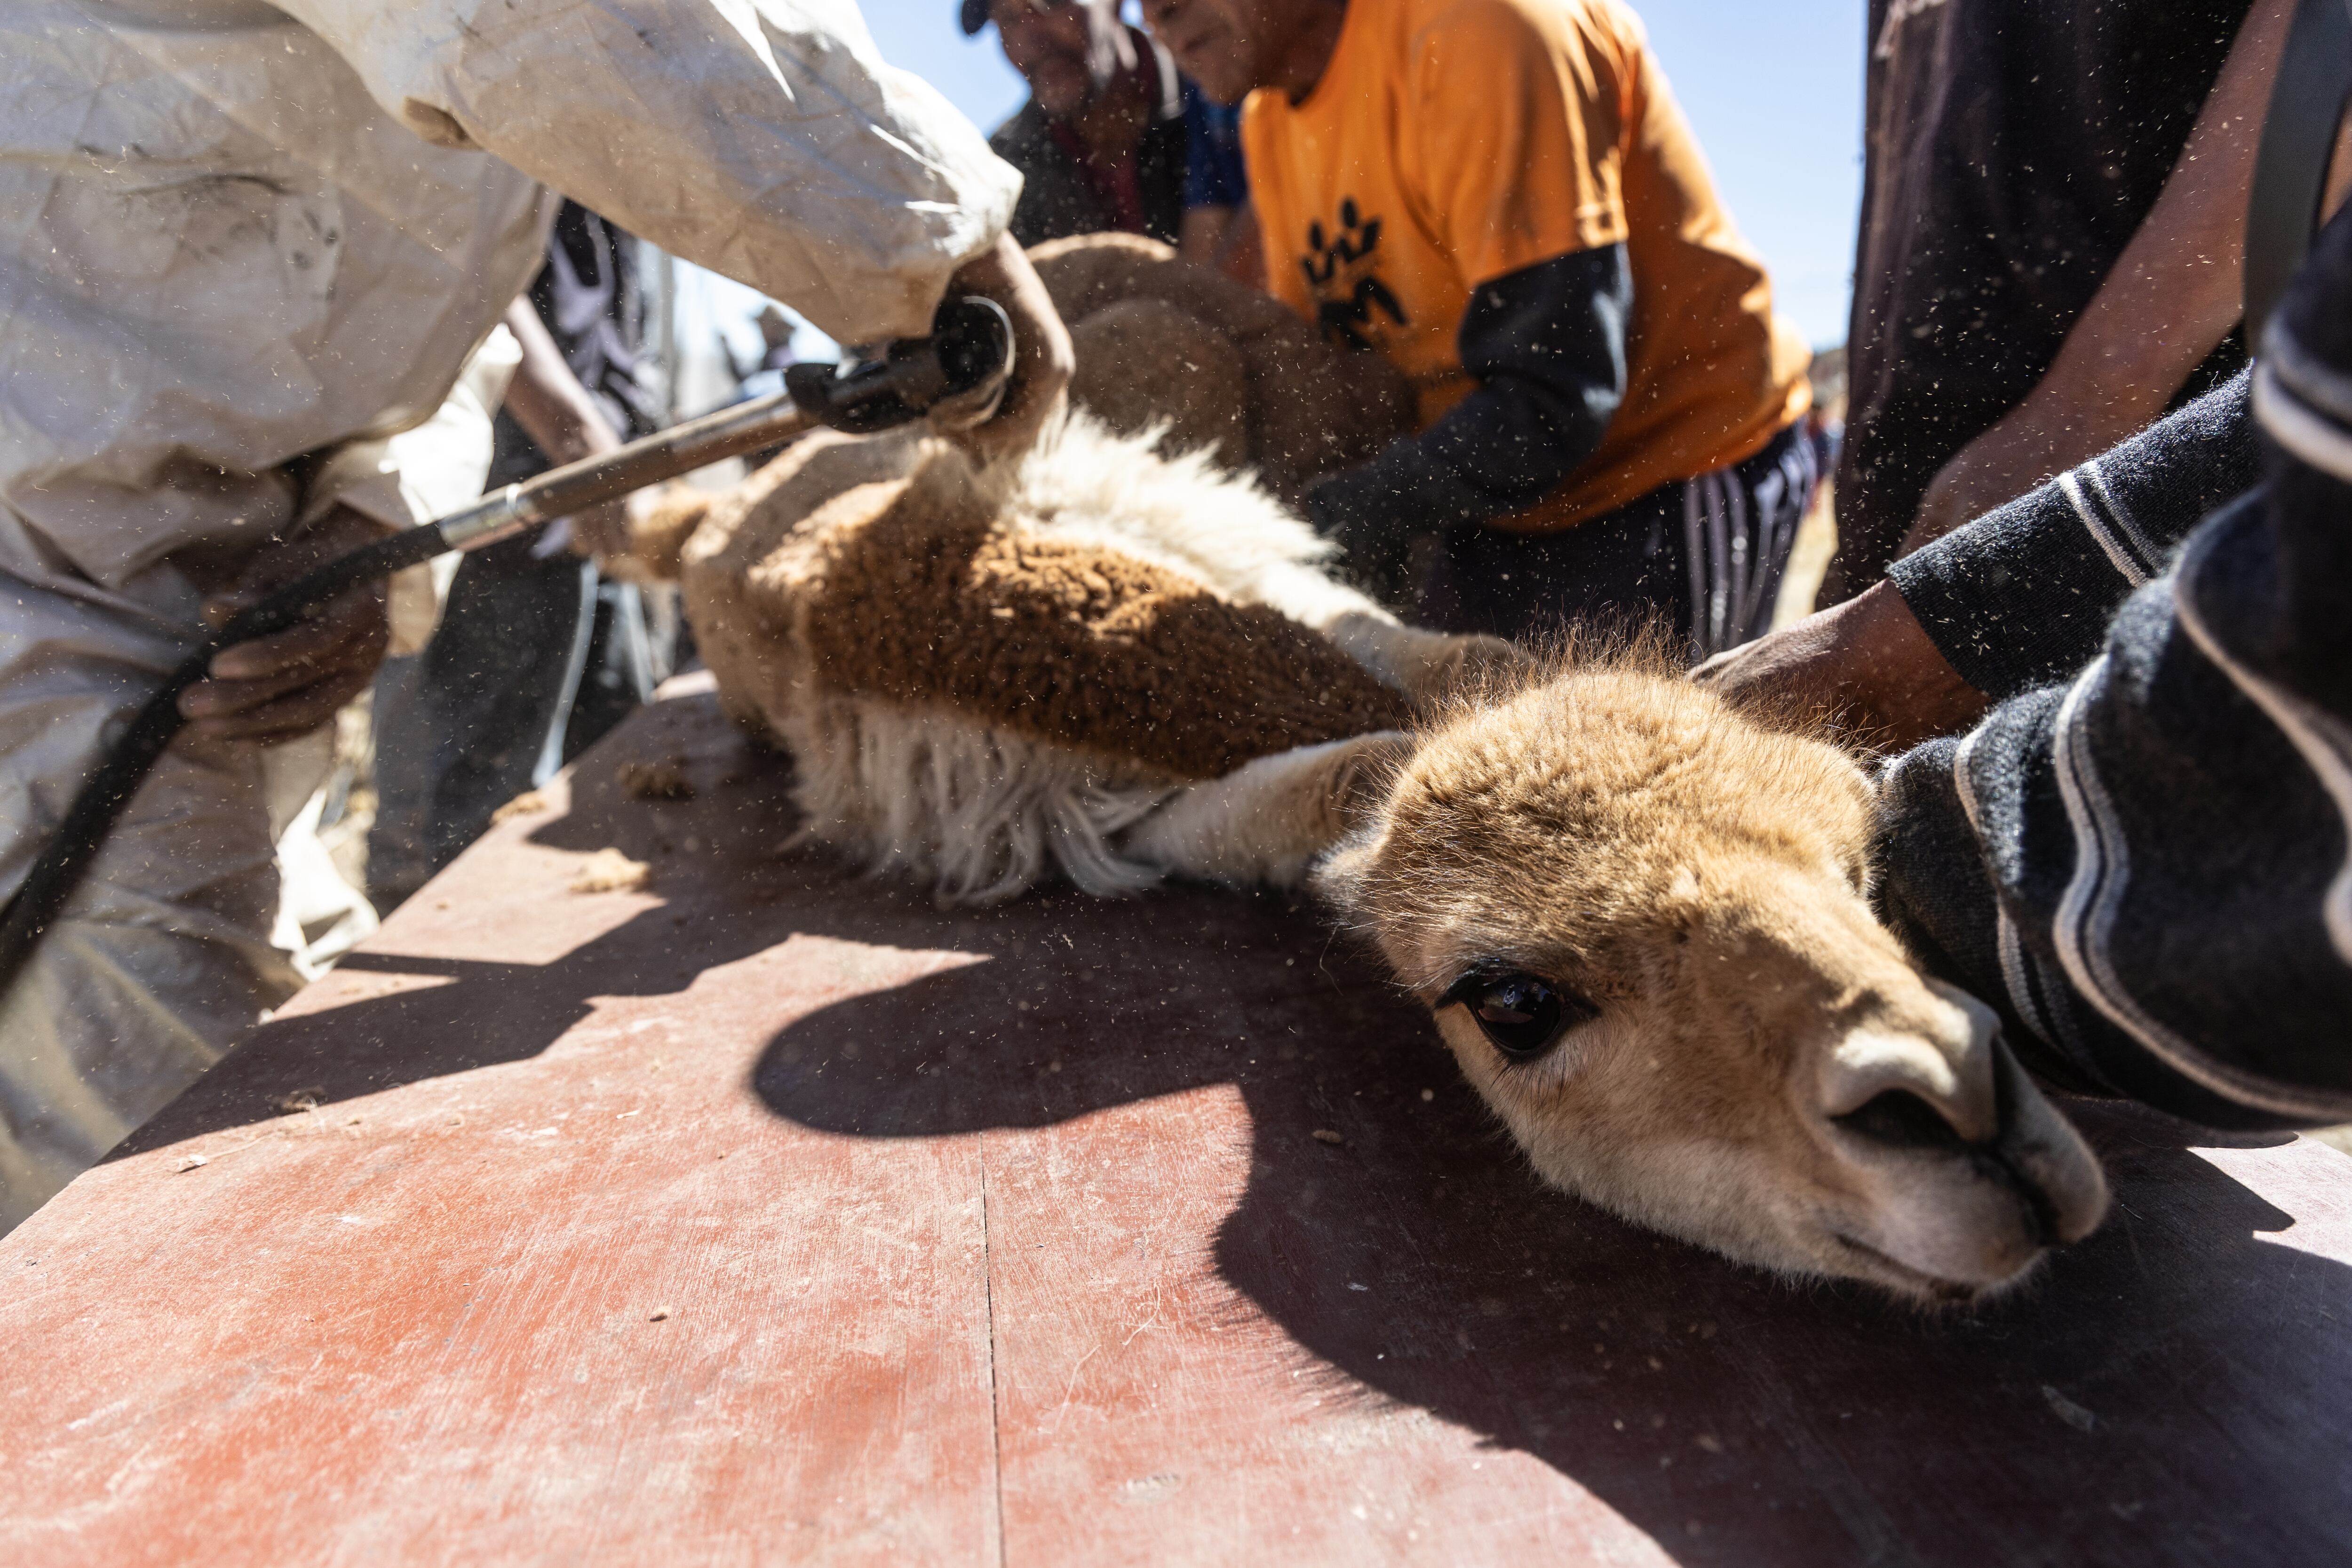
(1009, 667)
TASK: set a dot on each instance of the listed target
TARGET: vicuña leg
(1264, 821)
(1428, 666)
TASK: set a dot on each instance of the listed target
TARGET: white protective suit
(232, 233)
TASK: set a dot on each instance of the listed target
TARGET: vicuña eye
(1523, 1015)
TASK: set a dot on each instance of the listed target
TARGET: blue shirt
(1214, 175)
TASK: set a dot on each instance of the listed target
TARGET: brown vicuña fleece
(1070, 643)
(1145, 362)
(658, 531)
(1302, 407)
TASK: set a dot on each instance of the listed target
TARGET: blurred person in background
(775, 342)
(1502, 198)
(535, 656)
(1112, 138)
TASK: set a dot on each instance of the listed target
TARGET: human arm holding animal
(2018, 598)
(1042, 357)
(2170, 298)
(767, 140)
(2023, 595)
(2143, 865)
(1865, 665)
(1546, 345)
(2137, 855)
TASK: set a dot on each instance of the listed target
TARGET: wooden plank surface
(770, 1214)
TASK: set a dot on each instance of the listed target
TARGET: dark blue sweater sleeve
(1213, 173)
(2022, 595)
(2146, 864)
(1546, 346)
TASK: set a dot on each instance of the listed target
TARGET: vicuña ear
(1368, 770)
(1338, 880)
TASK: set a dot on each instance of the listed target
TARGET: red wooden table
(767, 1213)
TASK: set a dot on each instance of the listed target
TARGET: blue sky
(1774, 90)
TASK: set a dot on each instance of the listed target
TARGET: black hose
(99, 803)
(971, 345)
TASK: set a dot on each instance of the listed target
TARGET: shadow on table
(2171, 1391)
(2174, 1390)
(725, 895)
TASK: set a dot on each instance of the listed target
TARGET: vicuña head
(1642, 921)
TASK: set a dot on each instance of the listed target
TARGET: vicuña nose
(1918, 1073)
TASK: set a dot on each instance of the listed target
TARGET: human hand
(1043, 359)
(280, 687)
(1864, 666)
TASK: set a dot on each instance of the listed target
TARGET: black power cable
(966, 358)
(67, 856)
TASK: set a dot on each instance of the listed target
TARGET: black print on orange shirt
(1338, 269)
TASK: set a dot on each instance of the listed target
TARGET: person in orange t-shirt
(1502, 196)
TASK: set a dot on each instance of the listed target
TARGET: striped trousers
(1703, 556)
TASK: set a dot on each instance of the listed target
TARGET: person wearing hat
(1112, 138)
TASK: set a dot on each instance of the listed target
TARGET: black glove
(1546, 347)
(1375, 527)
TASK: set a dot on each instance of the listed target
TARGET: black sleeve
(1546, 347)
(2022, 595)
(2148, 866)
